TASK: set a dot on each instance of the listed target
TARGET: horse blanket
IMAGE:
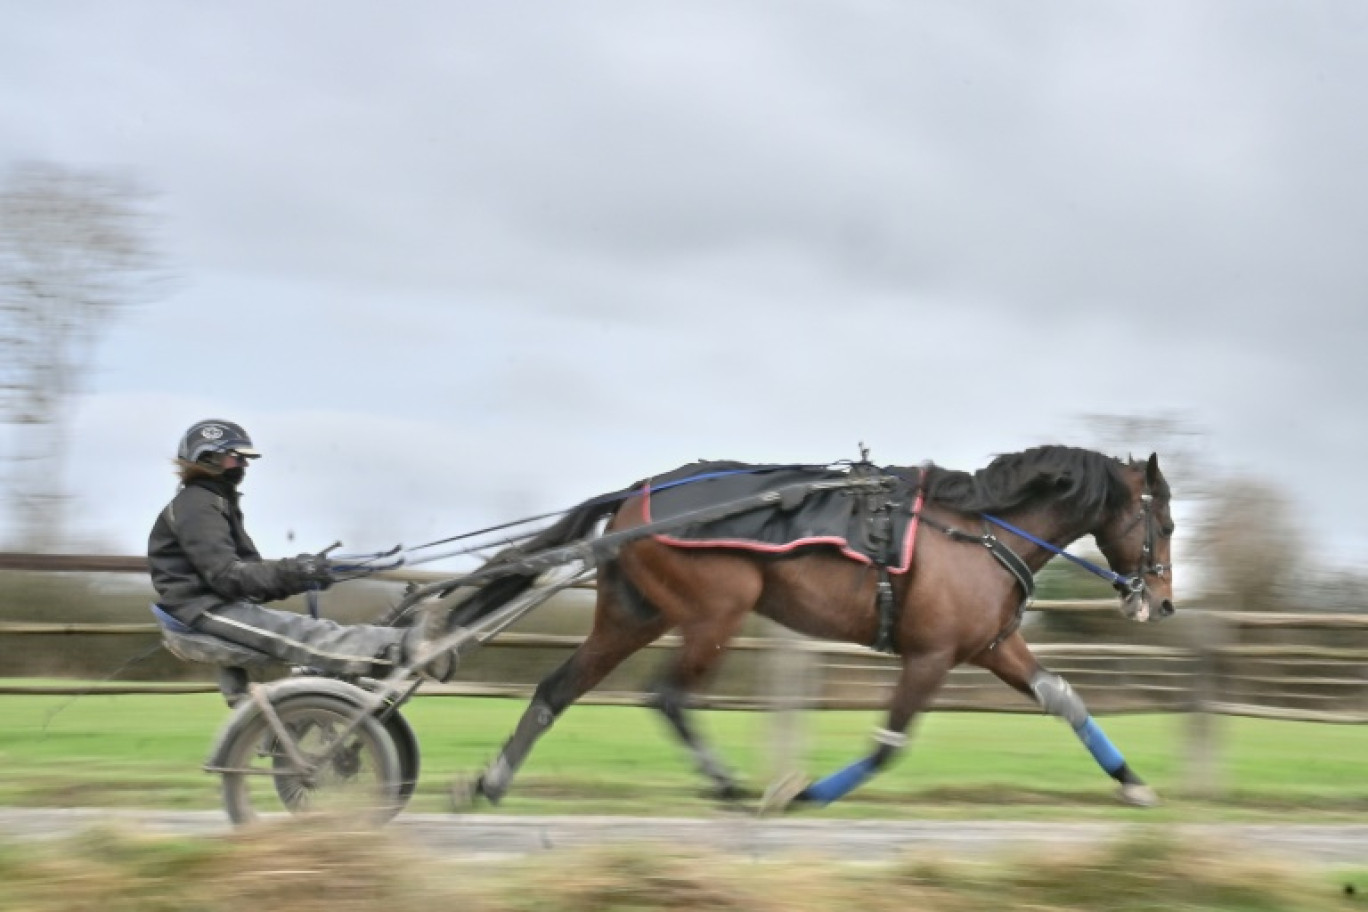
(873, 527)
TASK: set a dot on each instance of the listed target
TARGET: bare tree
(1246, 546)
(75, 249)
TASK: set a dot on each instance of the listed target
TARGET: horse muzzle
(1139, 605)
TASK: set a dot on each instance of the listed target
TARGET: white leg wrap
(895, 740)
(1057, 698)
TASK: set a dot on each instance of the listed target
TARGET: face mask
(234, 476)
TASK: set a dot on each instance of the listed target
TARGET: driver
(209, 575)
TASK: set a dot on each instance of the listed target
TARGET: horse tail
(575, 524)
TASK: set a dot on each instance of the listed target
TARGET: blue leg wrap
(841, 783)
(1103, 751)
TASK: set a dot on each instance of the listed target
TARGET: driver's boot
(420, 646)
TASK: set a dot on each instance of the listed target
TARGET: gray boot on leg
(420, 646)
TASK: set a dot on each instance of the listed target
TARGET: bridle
(1136, 584)
(1128, 586)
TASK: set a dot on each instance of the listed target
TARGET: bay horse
(959, 600)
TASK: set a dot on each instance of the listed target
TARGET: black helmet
(214, 436)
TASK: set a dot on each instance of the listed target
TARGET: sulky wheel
(406, 743)
(351, 768)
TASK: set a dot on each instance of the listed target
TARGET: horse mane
(1085, 482)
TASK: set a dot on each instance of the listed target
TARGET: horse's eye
(1166, 531)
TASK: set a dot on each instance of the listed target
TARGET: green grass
(146, 751)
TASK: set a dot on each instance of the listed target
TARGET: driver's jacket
(200, 555)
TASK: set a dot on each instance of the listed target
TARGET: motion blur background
(452, 264)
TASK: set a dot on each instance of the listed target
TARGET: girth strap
(882, 530)
(878, 508)
(887, 612)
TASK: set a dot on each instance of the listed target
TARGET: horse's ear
(1152, 470)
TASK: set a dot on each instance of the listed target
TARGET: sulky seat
(233, 660)
(185, 643)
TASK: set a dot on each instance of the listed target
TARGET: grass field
(146, 751)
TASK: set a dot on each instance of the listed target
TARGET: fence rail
(1286, 665)
(1296, 682)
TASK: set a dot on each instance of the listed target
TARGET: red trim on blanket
(743, 544)
(910, 543)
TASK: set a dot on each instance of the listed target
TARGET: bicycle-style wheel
(349, 768)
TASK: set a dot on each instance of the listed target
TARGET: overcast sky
(455, 263)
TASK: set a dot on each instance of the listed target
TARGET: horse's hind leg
(618, 631)
(702, 647)
(922, 675)
(708, 597)
(1013, 663)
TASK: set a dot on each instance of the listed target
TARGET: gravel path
(486, 836)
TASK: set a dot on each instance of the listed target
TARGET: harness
(877, 503)
(1126, 585)
(881, 531)
(1005, 556)
(879, 507)
(1129, 586)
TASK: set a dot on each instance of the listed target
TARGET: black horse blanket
(877, 527)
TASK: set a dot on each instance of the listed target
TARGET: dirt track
(484, 836)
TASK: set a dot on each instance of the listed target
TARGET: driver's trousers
(298, 639)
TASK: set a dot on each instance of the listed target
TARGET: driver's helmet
(207, 438)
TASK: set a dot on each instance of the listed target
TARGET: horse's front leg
(922, 675)
(1015, 665)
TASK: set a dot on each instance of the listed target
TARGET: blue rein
(1110, 576)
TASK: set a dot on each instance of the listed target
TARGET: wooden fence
(1203, 662)
(1310, 667)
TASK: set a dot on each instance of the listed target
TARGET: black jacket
(200, 555)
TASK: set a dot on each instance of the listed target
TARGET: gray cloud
(734, 229)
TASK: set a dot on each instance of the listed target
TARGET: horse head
(1135, 538)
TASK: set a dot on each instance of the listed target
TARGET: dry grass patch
(337, 868)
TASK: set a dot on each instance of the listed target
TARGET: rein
(1126, 585)
(1110, 576)
(358, 566)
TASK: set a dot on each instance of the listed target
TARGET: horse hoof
(465, 793)
(1137, 794)
(781, 793)
(731, 793)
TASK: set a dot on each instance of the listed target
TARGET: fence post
(791, 683)
(1202, 764)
